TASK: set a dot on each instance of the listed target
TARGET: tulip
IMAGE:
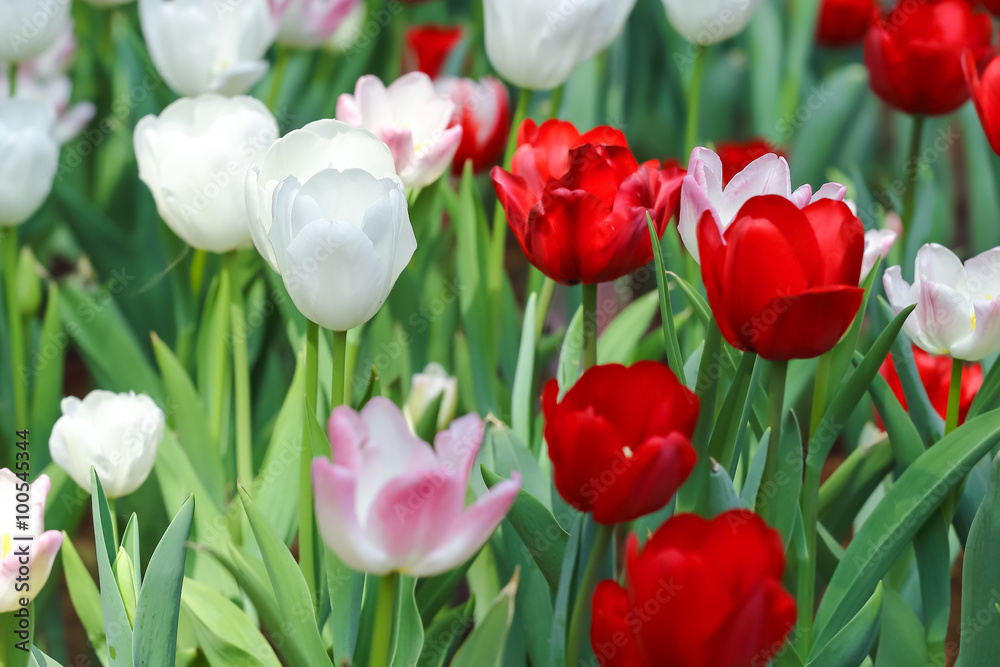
(347, 33)
(783, 282)
(709, 21)
(878, 243)
(914, 56)
(700, 593)
(985, 94)
(201, 47)
(390, 502)
(538, 43)
(707, 189)
(958, 306)
(117, 434)
(328, 212)
(620, 439)
(428, 48)
(578, 203)
(992, 6)
(935, 375)
(194, 158)
(30, 27)
(307, 24)
(411, 118)
(736, 157)
(434, 382)
(19, 499)
(28, 159)
(482, 110)
(843, 22)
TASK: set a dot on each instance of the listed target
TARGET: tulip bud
(30, 27)
(306, 24)
(433, 386)
(128, 587)
(117, 434)
(428, 48)
(194, 158)
(482, 109)
(707, 22)
(44, 544)
(28, 160)
(347, 33)
(29, 285)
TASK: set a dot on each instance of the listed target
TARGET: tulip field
(499, 333)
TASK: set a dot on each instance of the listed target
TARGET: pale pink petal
(983, 275)
(347, 433)
(334, 489)
(348, 110)
(695, 200)
(899, 292)
(940, 265)
(432, 157)
(43, 550)
(373, 101)
(985, 338)
(458, 446)
(834, 191)
(943, 315)
(767, 175)
(802, 196)
(878, 242)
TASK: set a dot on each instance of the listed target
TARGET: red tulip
(843, 22)
(985, 95)
(914, 55)
(992, 6)
(428, 47)
(577, 203)
(737, 156)
(935, 375)
(620, 439)
(483, 111)
(783, 282)
(700, 594)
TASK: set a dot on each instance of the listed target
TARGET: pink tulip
(18, 535)
(390, 502)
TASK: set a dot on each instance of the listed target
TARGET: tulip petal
(712, 271)
(610, 634)
(568, 241)
(982, 273)
(517, 201)
(334, 490)
(758, 628)
(347, 433)
(841, 236)
(767, 175)
(805, 325)
(985, 337)
(44, 549)
(944, 317)
(936, 263)
(458, 446)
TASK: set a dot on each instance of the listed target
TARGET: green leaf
(117, 628)
(901, 641)
(346, 589)
(444, 634)
(225, 634)
(130, 543)
(213, 357)
(988, 396)
(788, 480)
(980, 625)
(127, 585)
(408, 629)
(567, 577)
(622, 335)
(178, 480)
(85, 597)
(570, 355)
(523, 397)
(723, 494)
(158, 608)
(701, 308)
(733, 413)
(538, 529)
(845, 491)
(674, 358)
(748, 494)
(46, 365)
(39, 659)
(485, 646)
(693, 496)
(851, 645)
(427, 427)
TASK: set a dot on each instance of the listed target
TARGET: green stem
(544, 301)
(555, 102)
(954, 396)
(280, 65)
(12, 78)
(694, 99)
(820, 388)
(306, 557)
(216, 411)
(779, 371)
(338, 390)
(384, 610)
(16, 325)
(241, 372)
(197, 272)
(911, 172)
(806, 592)
(112, 512)
(589, 326)
(581, 607)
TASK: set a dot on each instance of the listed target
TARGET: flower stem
(911, 172)
(384, 610)
(954, 396)
(820, 389)
(555, 102)
(338, 389)
(806, 592)
(589, 326)
(779, 371)
(694, 99)
(580, 615)
(306, 561)
(16, 325)
(544, 301)
(280, 65)
(241, 373)
(197, 272)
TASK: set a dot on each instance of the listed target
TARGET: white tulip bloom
(878, 243)
(208, 46)
(707, 22)
(425, 389)
(328, 212)
(29, 157)
(195, 156)
(28, 28)
(117, 434)
(958, 306)
(307, 24)
(20, 499)
(538, 43)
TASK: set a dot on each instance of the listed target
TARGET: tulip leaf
(698, 302)
(435, 592)
(538, 529)
(693, 496)
(901, 639)
(851, 645)
(85, 597)
(117, 628)
(213, 358)
(980, 625)
(226, 636)
(485, 646)
(841, 354)
(723, 495)
(988, 396)
(177, 480)
(523, 398)
(733, 413)
(560, 608)
(289, 587)
(674, 358)
(623, 334)
(127, 585)
(46, 366)
(158, 607)
(346, 590)
(781, 496)
(408, 629)
(748, 494)
(443, 635)
(130, 543)
(570, 354)
(39, 659)
(893, 523)
(845, 491)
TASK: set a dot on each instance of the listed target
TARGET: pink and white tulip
(482, 110)
(390, 502)
(15, 497)
(703, 191)
(411, 118)
(958, 306)
(307, 24)
(878, 243)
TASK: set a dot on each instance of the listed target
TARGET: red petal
(714, 255)
(610, 634)
(517, 201)
(565, 230)
(806, 325)
(842, 237)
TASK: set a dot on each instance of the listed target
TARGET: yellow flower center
(628, 452)
(973, 321)
(7, 548)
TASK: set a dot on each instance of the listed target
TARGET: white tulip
(22, 518)
(195, 156)
(425, 389)
(29, 157)
(538, 43)
(328, 212)
(878, 243)
(117, 434)
(707, 22)
(307, 24)
(411, 118)
(958, 306)
(208, 46)
(30, 27)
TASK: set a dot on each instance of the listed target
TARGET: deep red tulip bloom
(843, 22)
(783, 282)
(701, 593)
(483, 110)
(577, 203)
(737, 156)
(935, 375)
(914, 55)
(992, 6)
(985, 93)
(620, 439)
(428, 47)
